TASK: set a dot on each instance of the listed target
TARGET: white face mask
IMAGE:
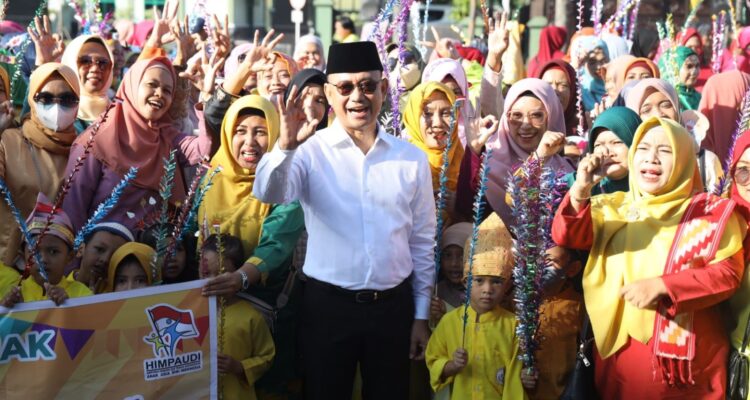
(55, 116)
(409, 74)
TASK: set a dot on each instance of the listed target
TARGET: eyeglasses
(66, 100)
(87, 61)
(535, 117)
(742, 176)
(393, 61)
(366, 87)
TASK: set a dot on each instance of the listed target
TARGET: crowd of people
(357, 215)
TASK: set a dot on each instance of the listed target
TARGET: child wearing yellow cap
(484, 364)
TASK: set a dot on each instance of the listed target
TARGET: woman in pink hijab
(532, 123)
(737, 56)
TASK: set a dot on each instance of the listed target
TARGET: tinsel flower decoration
(104, 208)
(443, 189)
(743, 119)
(416, 28)
(478, 213)
(533, 192)
(622, 11)
(634, 19)
(579, 76)
(718, 41)
(23, 227)
(181, 219)
(191, 219)
(165, 192)
(691, 16)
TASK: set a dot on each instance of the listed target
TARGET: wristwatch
(245, 281)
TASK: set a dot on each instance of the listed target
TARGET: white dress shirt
(370, 218)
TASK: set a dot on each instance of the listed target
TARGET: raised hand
(13, 297)
(256, 60)
(479, 132)
(49, 47)
(296, 127)
(161, 33)
(185, 42)
(444, 46)
(551, 144)
(194, 73)
(211, 71)
(6, 115)
(497, 41)
(220, 36)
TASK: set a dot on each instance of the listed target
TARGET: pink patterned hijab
(507, 156)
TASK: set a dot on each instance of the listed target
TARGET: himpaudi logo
(170, 325)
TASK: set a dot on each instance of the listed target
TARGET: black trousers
(337, 333)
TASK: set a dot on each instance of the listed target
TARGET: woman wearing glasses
(33, 157)
(90, 57)
(532, 124)
(740, 302)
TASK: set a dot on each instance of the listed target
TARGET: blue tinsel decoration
(478, 213)
(23, 227)
(191, 220)
(104, 208)
(165, 192)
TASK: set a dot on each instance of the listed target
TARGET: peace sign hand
(220, 35)
(160, 33)
(256, 60)
(49, 47)
(185, 41)
(296, 127)
(444, 47)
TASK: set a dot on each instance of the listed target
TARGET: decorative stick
(478, 212)
(743, 119)
(23, 227)
(579, 77)
(634, 19)
(104, 208)
(199, 195)
(65, 188)
(185, 209)
(416, 26)
(222, 299)
(40, 10)
(165, 192)
(442, 192)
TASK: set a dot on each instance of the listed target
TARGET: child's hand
(460, 359)
(437, 309)
(529, 378)
(228, 365)
(13, 297)
(55, 293)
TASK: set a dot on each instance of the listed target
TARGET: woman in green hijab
(689, 67)
(611, 136)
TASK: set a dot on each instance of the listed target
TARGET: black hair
(148, 237)
(232, 248)
(346, 23)
(128, 259)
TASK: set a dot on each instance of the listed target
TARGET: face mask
(410, 77)
(56, 117)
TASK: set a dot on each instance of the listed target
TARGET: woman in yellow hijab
(33, 157)
(269, 232)
(428, 117)
(663, 256)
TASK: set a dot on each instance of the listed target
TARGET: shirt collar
(338, 135)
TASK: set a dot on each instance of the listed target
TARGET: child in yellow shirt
(484, 364)
(56, 252)
(248, 348)
(130, 267)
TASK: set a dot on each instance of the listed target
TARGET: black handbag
(737, 372)
(580, 385)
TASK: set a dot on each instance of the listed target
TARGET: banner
(151, 343)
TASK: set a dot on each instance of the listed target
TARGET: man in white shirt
(370, 215)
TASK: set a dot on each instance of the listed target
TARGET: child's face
(56, 254)
(487, 292)
(176, 264)
(210, 264)
(98, 251)
(130, 275)
(451, 263)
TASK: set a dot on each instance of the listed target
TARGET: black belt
(360, 296)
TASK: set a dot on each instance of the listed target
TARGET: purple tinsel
(718, 42)
(742, 121)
